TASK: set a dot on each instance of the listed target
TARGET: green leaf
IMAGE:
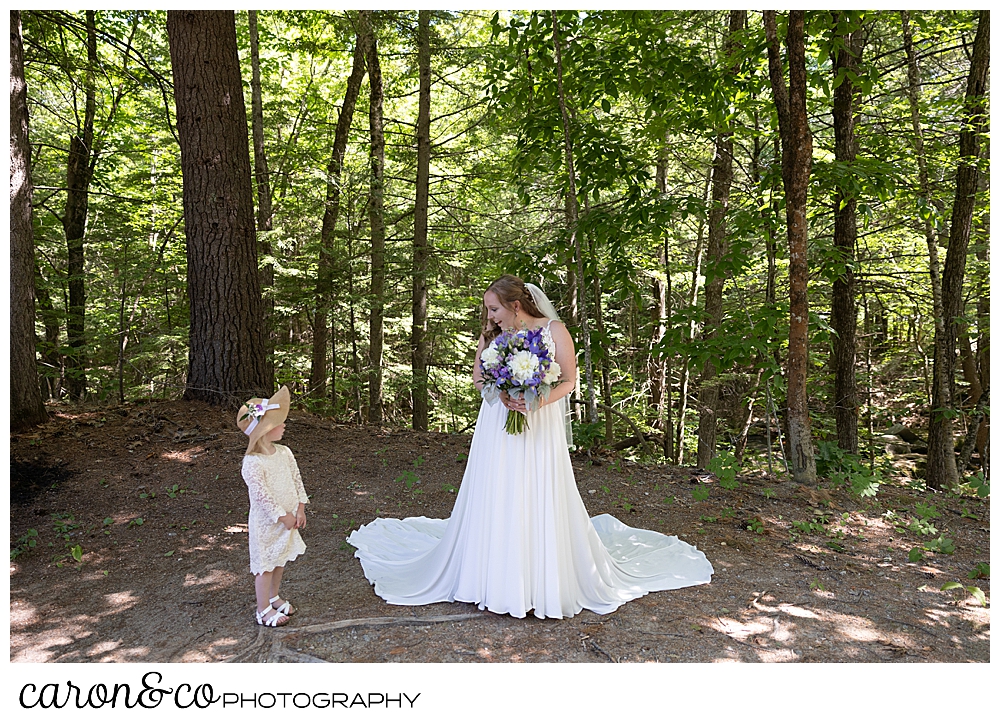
(168, 554)
(77, 552)
(978, 594)
(916, 555)
(951, 586)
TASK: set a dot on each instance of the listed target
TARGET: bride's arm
(566, 359)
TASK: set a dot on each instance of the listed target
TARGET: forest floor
(139, 517)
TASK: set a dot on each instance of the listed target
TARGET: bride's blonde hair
(509, 289)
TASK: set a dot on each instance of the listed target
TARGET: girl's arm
(260, 498)
(297, 478)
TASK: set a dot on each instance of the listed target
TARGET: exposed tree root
(269, 647)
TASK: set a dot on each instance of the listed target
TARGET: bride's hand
(516, 405)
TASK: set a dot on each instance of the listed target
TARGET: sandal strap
(272, 621)
(285, 607)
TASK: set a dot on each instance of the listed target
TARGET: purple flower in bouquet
(521, 364)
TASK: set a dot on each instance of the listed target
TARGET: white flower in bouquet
(552, 375)
(490, 356)
(523, 366)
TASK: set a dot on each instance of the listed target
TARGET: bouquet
(521, 364)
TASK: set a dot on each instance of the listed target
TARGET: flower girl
(277, 502)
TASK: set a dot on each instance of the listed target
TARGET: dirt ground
(140, 555)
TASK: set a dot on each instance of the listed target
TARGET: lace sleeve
(297, 477)
(260, 497)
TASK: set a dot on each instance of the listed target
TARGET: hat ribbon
(257, 411)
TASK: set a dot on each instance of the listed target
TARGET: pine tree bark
(265, 215)
(421, 245)
(376, 221)
(844, 316)
(227, 359)
(79, 172)
(25, 397)
(718, 248)
(796, 165)
(942, 472)
(331, 212)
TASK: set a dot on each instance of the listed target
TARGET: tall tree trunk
(353, 321)
(844, 317)
(942, 472)
(331, 212)
(24, 396)
(376, 221)
(718, 248)
(659, 366)
(226, 357)
(79, 172)
(49, 349)
(265, 216)
(983, 342)
(421, 245)
(913, 95)
(796, 164)
(572, 220)
(683, 396)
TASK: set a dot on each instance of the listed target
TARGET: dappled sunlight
(121, 601)
(22, 614)
(858, 629)
(796, 611)
(213, 580)
(99, 650)
(187, 456)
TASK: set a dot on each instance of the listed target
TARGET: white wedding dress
(519, 538)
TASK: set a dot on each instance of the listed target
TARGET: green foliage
(641, 88)
(979, 484)
(809, 528)
(410, 478)
(981, 570)
(975, 592)
(25, 543)
(586, 434)
(725, 467)
(700, 493)
(941, 544)
(848, 470)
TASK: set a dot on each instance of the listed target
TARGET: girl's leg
(276, 574)
(262, 586)
(275, 587)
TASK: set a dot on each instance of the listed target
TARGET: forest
(768, 232)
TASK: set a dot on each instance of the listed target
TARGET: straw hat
(259, 416)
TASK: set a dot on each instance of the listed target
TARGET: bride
(519, 538)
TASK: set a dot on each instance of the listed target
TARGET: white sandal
(285, 608)
(273, 620)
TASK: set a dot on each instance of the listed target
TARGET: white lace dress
(275, 487)
(519, 538)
